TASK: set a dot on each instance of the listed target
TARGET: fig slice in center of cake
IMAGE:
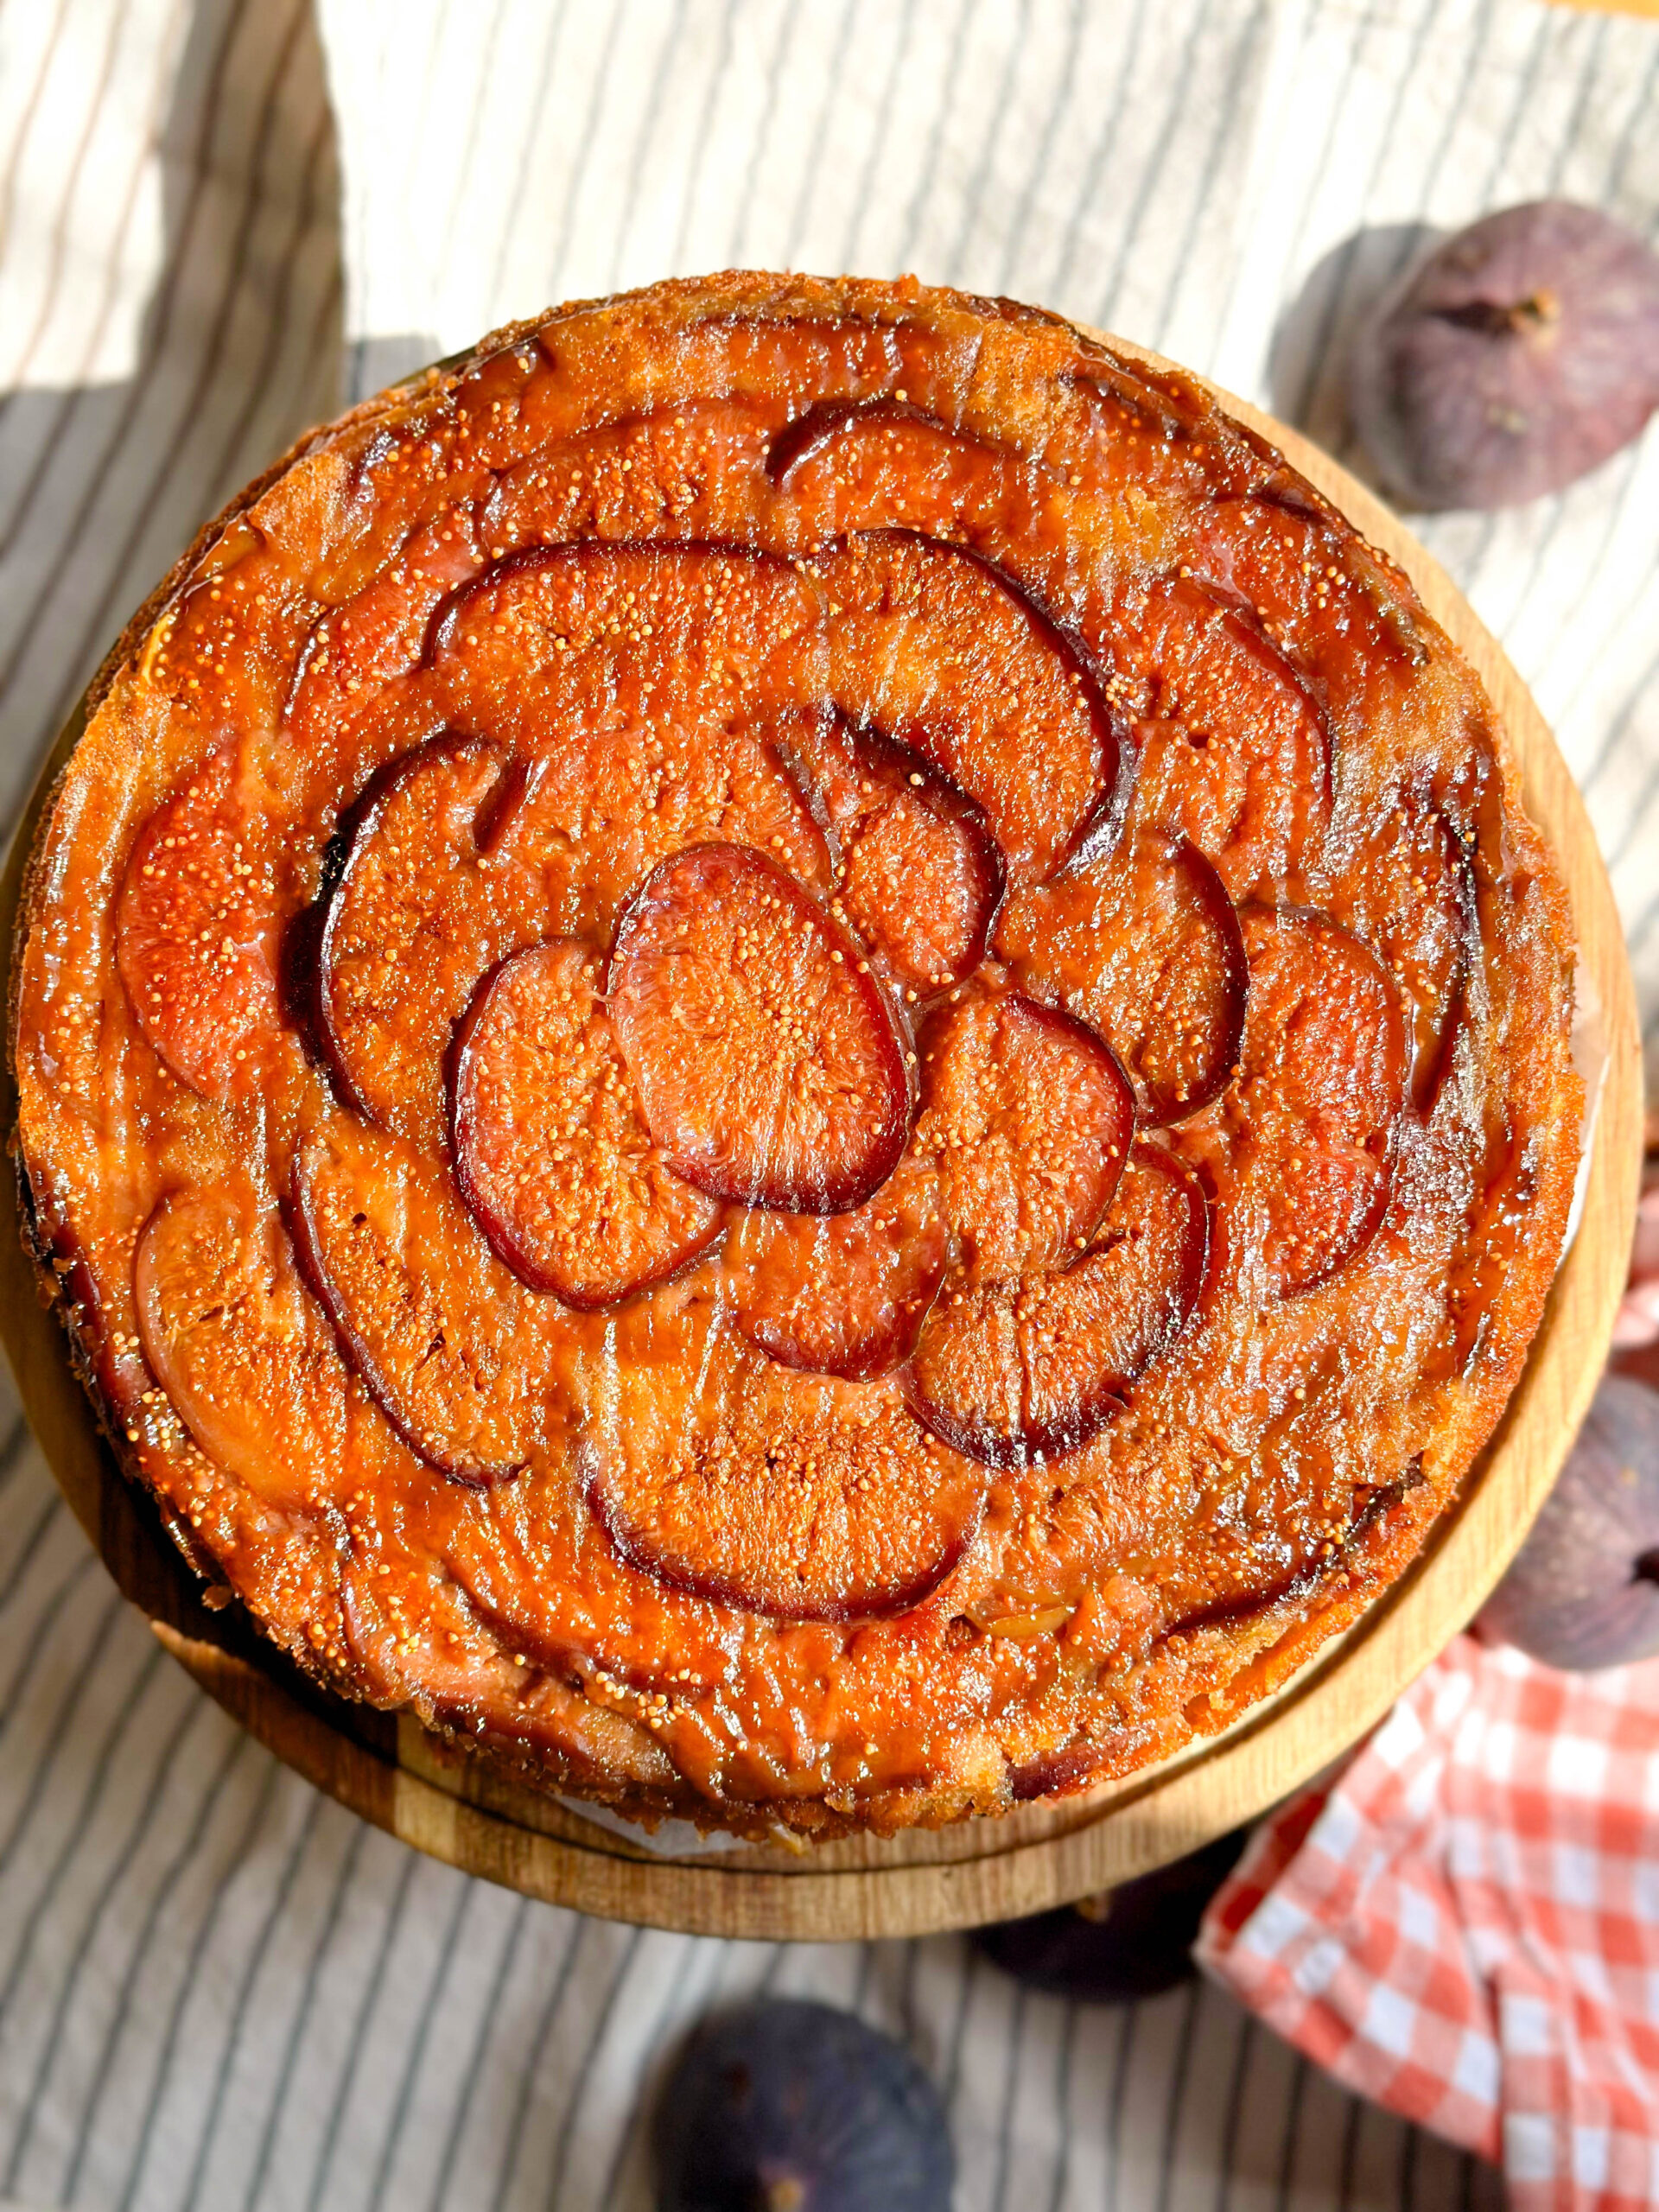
(1030, 1118)
(770, 1066)
(550, 1154)
(1017, 1371)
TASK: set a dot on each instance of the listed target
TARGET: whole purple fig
(1583, 1589)
(1135, 1941)
(1513, 359)
(784, 2105)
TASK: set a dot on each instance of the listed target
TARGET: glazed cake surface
(793, 1049)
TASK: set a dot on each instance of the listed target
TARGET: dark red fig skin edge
(864, 1156)
(717, 1589)
(299, 1218)
(498, 1233)
(310, 960)
(1583, 1592)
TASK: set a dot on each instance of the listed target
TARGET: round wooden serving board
(394, 1774)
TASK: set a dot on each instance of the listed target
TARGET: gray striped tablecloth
(216, 219)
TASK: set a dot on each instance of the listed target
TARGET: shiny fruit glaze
(792, 1050)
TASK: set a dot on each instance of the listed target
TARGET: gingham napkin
(1464, 1924)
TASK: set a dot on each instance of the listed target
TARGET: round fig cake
(793, 1049)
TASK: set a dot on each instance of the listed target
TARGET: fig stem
(1647, 1568)
(1531, 317)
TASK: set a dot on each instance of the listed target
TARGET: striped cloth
(217, 220)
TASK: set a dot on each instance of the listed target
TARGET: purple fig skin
(1583, 1592)
(784, 2106)
(1135, 1941)
(1515, 356)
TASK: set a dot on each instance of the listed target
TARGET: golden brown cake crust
(1253, 897)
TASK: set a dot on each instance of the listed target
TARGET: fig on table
(782, 2106)
(1510, 358)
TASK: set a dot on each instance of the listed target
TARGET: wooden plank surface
(408, 1782)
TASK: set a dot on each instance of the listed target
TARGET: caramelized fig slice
(1017, 1372)
(1030, 1119)
(1302, 1147)
(846, 1295)
(1410, 891)
(600, 809)
(798, 1496)
(1280, 555)
(407, 926)
(937, 648)
(564, 639)
(918, 874)
(246, 1360)
(549, 1151)
(196, 929)
(769, 1068)
(449, 1345)
(1145, 946)
(1235, 748)
(874, 463)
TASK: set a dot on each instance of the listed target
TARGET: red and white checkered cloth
(1463, 1924)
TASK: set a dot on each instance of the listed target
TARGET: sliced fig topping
(1235, 749)
(1279, 554)
(844, 1295)
(1302, 1147)
(769, 1065)
(918, 876)
(558, 641)
(797, 1497)
(1411, 891)
(549, 1150)
(1145, 946)
(358, 676)
(595, 814)
(1012, 1372)
(855, 464)
(196, 931)
(935, 647)
(1030, 1119)
(244, 1355)
(687, 471)
(409, 925)
(443, 1336)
